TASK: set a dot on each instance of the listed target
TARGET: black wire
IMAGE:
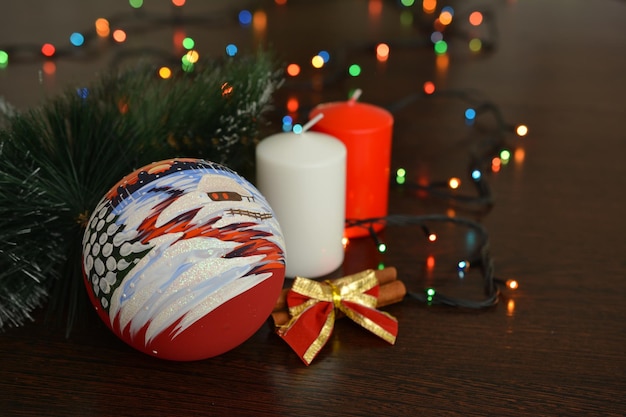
(481, 258)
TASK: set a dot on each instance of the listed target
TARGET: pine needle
(59, 159)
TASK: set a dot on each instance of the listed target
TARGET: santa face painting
(173, 242)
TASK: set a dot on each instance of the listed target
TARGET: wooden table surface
(555, 346)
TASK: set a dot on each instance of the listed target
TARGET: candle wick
(311, 122)
(355, 96)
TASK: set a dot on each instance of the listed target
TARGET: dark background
(553, 347)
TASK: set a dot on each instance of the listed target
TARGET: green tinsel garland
(58, 160)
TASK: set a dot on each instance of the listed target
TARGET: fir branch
(58, 160)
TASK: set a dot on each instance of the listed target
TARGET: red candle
(366, 131)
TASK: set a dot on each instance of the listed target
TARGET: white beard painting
(173, 242)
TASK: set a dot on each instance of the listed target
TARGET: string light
(475, 45)
(521, 130)
(317, 61)
(136, 4)
(354, 70)
(77, 39)
(293, 104)
(231, 49)
(382, 52)
(102, 27)
(4, 59)
(189, 43)
(480, 256)
(512, 284)
(475, 18)
(441, 47)
(429, 6)
(445, 18)
(293, 69)
(463, 265)
(245, 17)
(48, 49)
(165, 72)
(119, 35)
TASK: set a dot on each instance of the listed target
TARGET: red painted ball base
(229, 325)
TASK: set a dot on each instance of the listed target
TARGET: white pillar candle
(303, 177)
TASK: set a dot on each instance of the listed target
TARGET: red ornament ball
(183, 259)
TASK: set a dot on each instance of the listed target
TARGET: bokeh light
(165, 73)
(293, 69)
(354, 70)
(135, 4)
(102, 27)
(429, 6)
(245, 17)
(82, 92)
(178, 3)
(406, 18)
(119, 35)
(429, 87)
(280, 2)
(407, 3)
(476, 18)
(382, 52)
(293, 104)
(454, 183)
(231, 49)
(445, 18)
(193, 56)
(77, 39)
(505, 155)
(48, 49)
(441, 47)
(317, 61)
(4, 59)
(521, 130)
(436, 37)
(475, 45)
(259, 20)
(325, 56)
(188, 43)
(496, 164)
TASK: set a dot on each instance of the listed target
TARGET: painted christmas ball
(183, 259)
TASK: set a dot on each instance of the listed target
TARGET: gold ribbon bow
(313, 306)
